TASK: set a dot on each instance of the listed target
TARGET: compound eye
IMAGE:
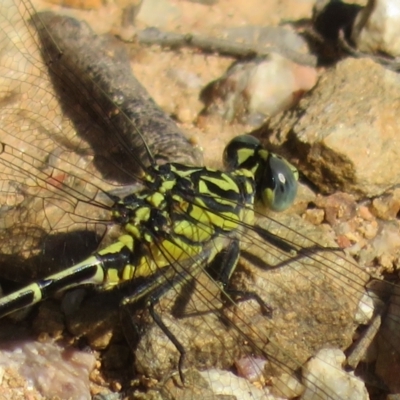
(240, 152)
(278, 186)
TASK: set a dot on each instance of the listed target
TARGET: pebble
(225, 383)
(315, 216)
(339, 207)
(252, 91)
(250, 368)
(366, 309)
(277, 39)
(46, 368)
(323, 376)
(384, 249)
(388, 206)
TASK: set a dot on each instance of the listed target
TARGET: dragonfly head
(276, 179)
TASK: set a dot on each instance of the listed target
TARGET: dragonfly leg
(230, 258)
(158, 320)
(151, 293)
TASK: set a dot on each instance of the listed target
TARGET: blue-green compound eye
(276, 179)
(276, 182)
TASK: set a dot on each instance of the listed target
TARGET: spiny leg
(228, 261)
(152, 291)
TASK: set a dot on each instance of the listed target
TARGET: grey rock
(376, 28)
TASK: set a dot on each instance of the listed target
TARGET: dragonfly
(77, 180)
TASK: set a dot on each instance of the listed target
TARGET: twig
(225, 47)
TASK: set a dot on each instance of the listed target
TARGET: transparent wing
(36, 168)
(59, 159)
(56, 152)
(318, 299)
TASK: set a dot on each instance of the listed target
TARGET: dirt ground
(175, 79)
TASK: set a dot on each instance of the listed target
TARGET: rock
(250, 368)
(339, 207)
(388, 206)
(345, 133)
(253, 91)
(31, 367)
(384, 248)
(212, 384)
(324, 377)
(315, 216)
(275, 39)
(376, 28)
(366, 309)
(227, 384)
